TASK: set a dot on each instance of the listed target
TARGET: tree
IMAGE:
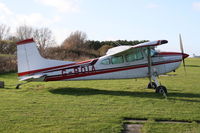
(104, 49)
(44, 39)
(94, 44)
(76, 40)
(4, 32)
(42, 36)
(7, 47)
(24, 32)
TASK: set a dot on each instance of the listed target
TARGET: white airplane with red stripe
(121, 62)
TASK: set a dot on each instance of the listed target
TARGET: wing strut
(159, 88)
(149, 64)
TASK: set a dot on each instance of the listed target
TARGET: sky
(111, 19)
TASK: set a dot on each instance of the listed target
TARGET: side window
(139, 54)
(135, 55)
(105, 62)
(117, 60)
(130, 57)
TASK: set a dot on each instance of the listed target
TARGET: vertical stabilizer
(26, 52)
(29, 60)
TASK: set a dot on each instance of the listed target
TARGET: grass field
(101, 106)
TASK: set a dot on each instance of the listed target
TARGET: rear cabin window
(117, 60)
(135, 55)
(105, 62)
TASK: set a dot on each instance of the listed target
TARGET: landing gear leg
(153, 76)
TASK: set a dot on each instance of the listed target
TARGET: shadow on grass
(91, 91)
(186, 97)
(192, 65)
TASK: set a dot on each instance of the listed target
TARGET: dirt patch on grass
(132, 128)
(133, 125)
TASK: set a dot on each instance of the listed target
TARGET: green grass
(101, 106)
(6, 55)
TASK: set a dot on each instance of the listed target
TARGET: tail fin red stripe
(25, 41)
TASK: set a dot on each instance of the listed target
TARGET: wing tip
(25, 41)
(163, 41)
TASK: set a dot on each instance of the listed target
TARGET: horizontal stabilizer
(33, 77)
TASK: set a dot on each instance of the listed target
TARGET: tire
(152, 86)
(161, 89)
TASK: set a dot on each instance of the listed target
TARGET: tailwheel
(152, 85)
(18, 85)
(161, 89)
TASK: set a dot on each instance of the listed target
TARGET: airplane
(121, 62)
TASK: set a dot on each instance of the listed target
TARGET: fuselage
(121, 62)
(120, 67)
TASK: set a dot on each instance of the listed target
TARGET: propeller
(182, 51)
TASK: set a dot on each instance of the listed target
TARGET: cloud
(196, 6)
(5, 10)
(152, 6)
(61, 34)
(10, 18)
(62, 6)
(35, 19)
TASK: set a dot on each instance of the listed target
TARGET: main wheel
(161, 89)
(152, 85)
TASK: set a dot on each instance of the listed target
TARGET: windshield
(153, 52)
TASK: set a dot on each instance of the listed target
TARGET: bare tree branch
(76, 40)
(24, 32)
(4, 32)
(44, 39)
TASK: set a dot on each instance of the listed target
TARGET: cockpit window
(105, 62)
(117, 60)
(153, 52)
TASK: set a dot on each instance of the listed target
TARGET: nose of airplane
(185, 55)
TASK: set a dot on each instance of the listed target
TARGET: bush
(8, 63)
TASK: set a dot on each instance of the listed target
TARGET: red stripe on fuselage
(63, 77)
(170, 53)
(51, 68)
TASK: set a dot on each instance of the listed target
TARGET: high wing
(122, 49)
